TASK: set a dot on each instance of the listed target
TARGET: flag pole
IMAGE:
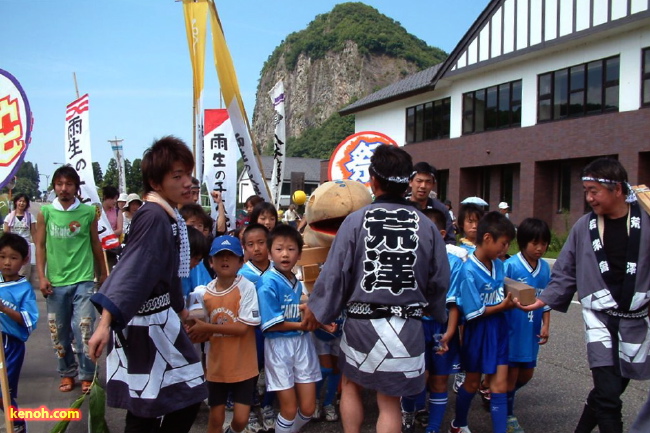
(76, 87)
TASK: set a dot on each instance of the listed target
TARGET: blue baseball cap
(226, 243)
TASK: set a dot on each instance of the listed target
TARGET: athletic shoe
(254, 425)
(513, 426)
(317, 414)
(330, 413)
(408, 422)
(459, 379)
(20, 428)
(268, 418)
(422, 417)
(454, 429)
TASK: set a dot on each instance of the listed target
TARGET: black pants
(604, 405)
(179, 421)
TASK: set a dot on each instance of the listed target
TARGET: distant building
(532, 92)
(310, 167)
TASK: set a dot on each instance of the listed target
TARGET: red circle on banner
(351, 158)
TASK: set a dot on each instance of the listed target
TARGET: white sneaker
(317, 413)
(330, 413)
(254, 425)
(268, 418)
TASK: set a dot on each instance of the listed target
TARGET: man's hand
(216, 196)
(98, 341)
(534, 306)
(45, 286)
(309, 322)
(102, 278)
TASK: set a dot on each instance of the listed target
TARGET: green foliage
(97, 174)
(373, 33)
(27, 181)
(320, 142)
(111, 176)
(96, 410)
(134, 177)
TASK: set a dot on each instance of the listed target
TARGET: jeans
(71, 314)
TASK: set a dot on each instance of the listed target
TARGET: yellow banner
(196, 19)
(235, 105)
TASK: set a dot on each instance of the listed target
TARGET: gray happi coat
(390, 254)
(577, 269)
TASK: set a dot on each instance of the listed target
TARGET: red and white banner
(220, 171)
(77, 154)
(280, 137)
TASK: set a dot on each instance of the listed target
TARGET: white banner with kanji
(220, 152)
(77, 154)
(279, 139)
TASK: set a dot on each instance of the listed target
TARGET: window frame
(490, 116)
(419, 128)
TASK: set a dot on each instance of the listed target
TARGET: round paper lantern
(328, 206)
(299, 197)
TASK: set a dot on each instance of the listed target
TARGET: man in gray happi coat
(605, 260)
(388, 261)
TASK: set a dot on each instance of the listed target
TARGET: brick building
(533, 91)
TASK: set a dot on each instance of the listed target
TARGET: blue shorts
(447, 363)
(485, 344)
(522, 365)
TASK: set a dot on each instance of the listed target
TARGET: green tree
(134, 177)
(97, 174)
(27, 181)
(111, 175)
(320, 142)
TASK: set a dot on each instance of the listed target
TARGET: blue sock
(331, 388)
(437, 407)
(421, 400)
(325, 372)
(268, 398)
(498, 408)
(463, 403)
(511, 402)
(408, 403)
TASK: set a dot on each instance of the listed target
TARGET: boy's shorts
(290, 360)
(329, 347)
(485, 344)
(242, 392)
(522, 365)
(447, 363)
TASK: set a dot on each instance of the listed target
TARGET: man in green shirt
(67, 240)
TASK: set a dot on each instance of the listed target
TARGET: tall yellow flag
(235, 105)
(196, 20)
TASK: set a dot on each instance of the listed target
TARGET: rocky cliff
(341, 56)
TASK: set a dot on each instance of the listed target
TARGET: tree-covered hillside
(373, 33)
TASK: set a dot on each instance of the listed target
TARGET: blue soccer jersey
(479, 287)
(279, 301)
(251, 272)
(455, 265)
(19, 296)
(525, 326)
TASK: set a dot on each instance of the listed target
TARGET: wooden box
(522, 291)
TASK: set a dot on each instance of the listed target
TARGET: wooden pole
(76, 87)
(4, 382)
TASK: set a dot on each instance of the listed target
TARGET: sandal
(86, 385)
(67, 384)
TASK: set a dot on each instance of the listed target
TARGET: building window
(492, 108)
(588, 88)
(428, 121)
(507, 184)
(442, 184)
(645, 84)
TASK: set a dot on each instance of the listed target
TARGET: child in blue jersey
(442, 346)
(254, 239)
(199, 276)
(468, 217)
(18, 311)
(485, 337)
(291, 363)
(527, 329)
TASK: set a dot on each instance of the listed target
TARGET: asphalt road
(551, 403)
